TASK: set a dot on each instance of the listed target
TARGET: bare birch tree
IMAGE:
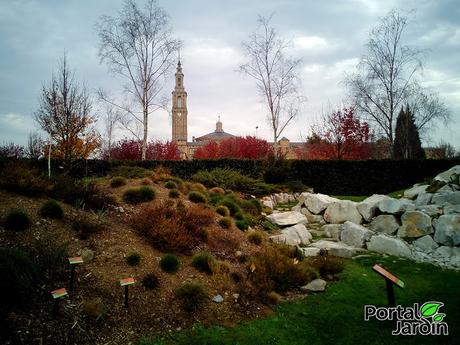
(275, 75)
(138, 46)
(387, 79)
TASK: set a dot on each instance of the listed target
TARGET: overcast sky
(328, 35)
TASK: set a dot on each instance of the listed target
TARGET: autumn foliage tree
(239, 147)
(65, 114)
(131, 149)
(340, 136)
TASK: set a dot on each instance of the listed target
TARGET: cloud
(16, 126)
(310, 42)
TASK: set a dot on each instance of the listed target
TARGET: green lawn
(336, 316)
(356, 198)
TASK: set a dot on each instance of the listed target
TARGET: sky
(329, 36)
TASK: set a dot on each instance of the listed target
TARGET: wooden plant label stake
(390, 280)
(77, 260)
(126, 283)
(57, 296)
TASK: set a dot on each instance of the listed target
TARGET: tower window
(179, 102)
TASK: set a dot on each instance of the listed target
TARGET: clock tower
(179, 112)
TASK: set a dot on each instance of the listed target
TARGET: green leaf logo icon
(438, 317)
(431, 308)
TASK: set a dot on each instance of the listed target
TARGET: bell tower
(179, 112)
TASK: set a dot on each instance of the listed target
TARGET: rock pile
(424, 225)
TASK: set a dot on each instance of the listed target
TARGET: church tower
(179, 112)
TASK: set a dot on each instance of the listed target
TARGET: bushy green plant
(191, 295)
(239, 215)
(117, 181)
(19, 177)
(174, 193)
(51, 209)
(131, 172)
(268, 226)
(169, 263)
(171, 185)
(225, 222)
(19, 275)
(150, 281)
(17, 220)
(242, 224)
(203, 262)
(230, 204)
(138, 195)
(133, 259)
(223, 210)
(197, 197)
(232, 179)
(296, 186)
(251, 206)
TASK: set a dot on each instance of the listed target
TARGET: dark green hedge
(329, 177)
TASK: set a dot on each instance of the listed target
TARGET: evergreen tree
(407, 143)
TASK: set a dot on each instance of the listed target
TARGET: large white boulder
(389, 245)
(385, 223)
(448, 175)
(395, 206)
(369, 206)
(341, 211)
(451, 209)
(431, 210)
(287, 218)
(317, 203)
(354, 235)
(447, 230)
(415, 224)
(312, 218)
(441, 198)
(293, 235)
(332, 230)
(335, 248)
(413, 192)
(423, 199)
(425, 243)
(310, 251)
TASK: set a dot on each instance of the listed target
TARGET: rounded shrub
(231, 205)
(226, 222)
(198, 187)
(242, 224)
(17, 220)
(239, 216)
(150, 281)
(174, 193)
(171, 185)
(169, 263)
(255, 237)
(203, 262)
(191, 295)
(138, 195)
(51, 209)
(217, 191)
(223, 210)
(197, 197)
(117, 181)
(133, 259)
